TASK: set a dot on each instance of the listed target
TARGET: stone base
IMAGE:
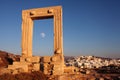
(26, 64)
(45, 64)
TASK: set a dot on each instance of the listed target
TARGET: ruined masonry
(50, 65)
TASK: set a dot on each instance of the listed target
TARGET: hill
(7, 58)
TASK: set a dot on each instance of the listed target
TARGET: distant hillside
(7, 58)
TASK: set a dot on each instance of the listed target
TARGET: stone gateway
(50, 65)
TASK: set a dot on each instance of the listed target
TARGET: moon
(42, 35)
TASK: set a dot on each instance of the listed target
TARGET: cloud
(42, 35)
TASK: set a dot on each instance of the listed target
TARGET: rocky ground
(7, 58)
(36, 75)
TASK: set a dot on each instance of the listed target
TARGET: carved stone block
(36, 66)
(46, 59)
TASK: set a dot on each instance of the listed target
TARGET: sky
(90, 27)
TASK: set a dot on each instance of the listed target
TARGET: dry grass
(37, 75)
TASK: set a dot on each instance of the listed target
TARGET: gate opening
(43, 37)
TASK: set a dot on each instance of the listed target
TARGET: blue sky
(90, 27)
